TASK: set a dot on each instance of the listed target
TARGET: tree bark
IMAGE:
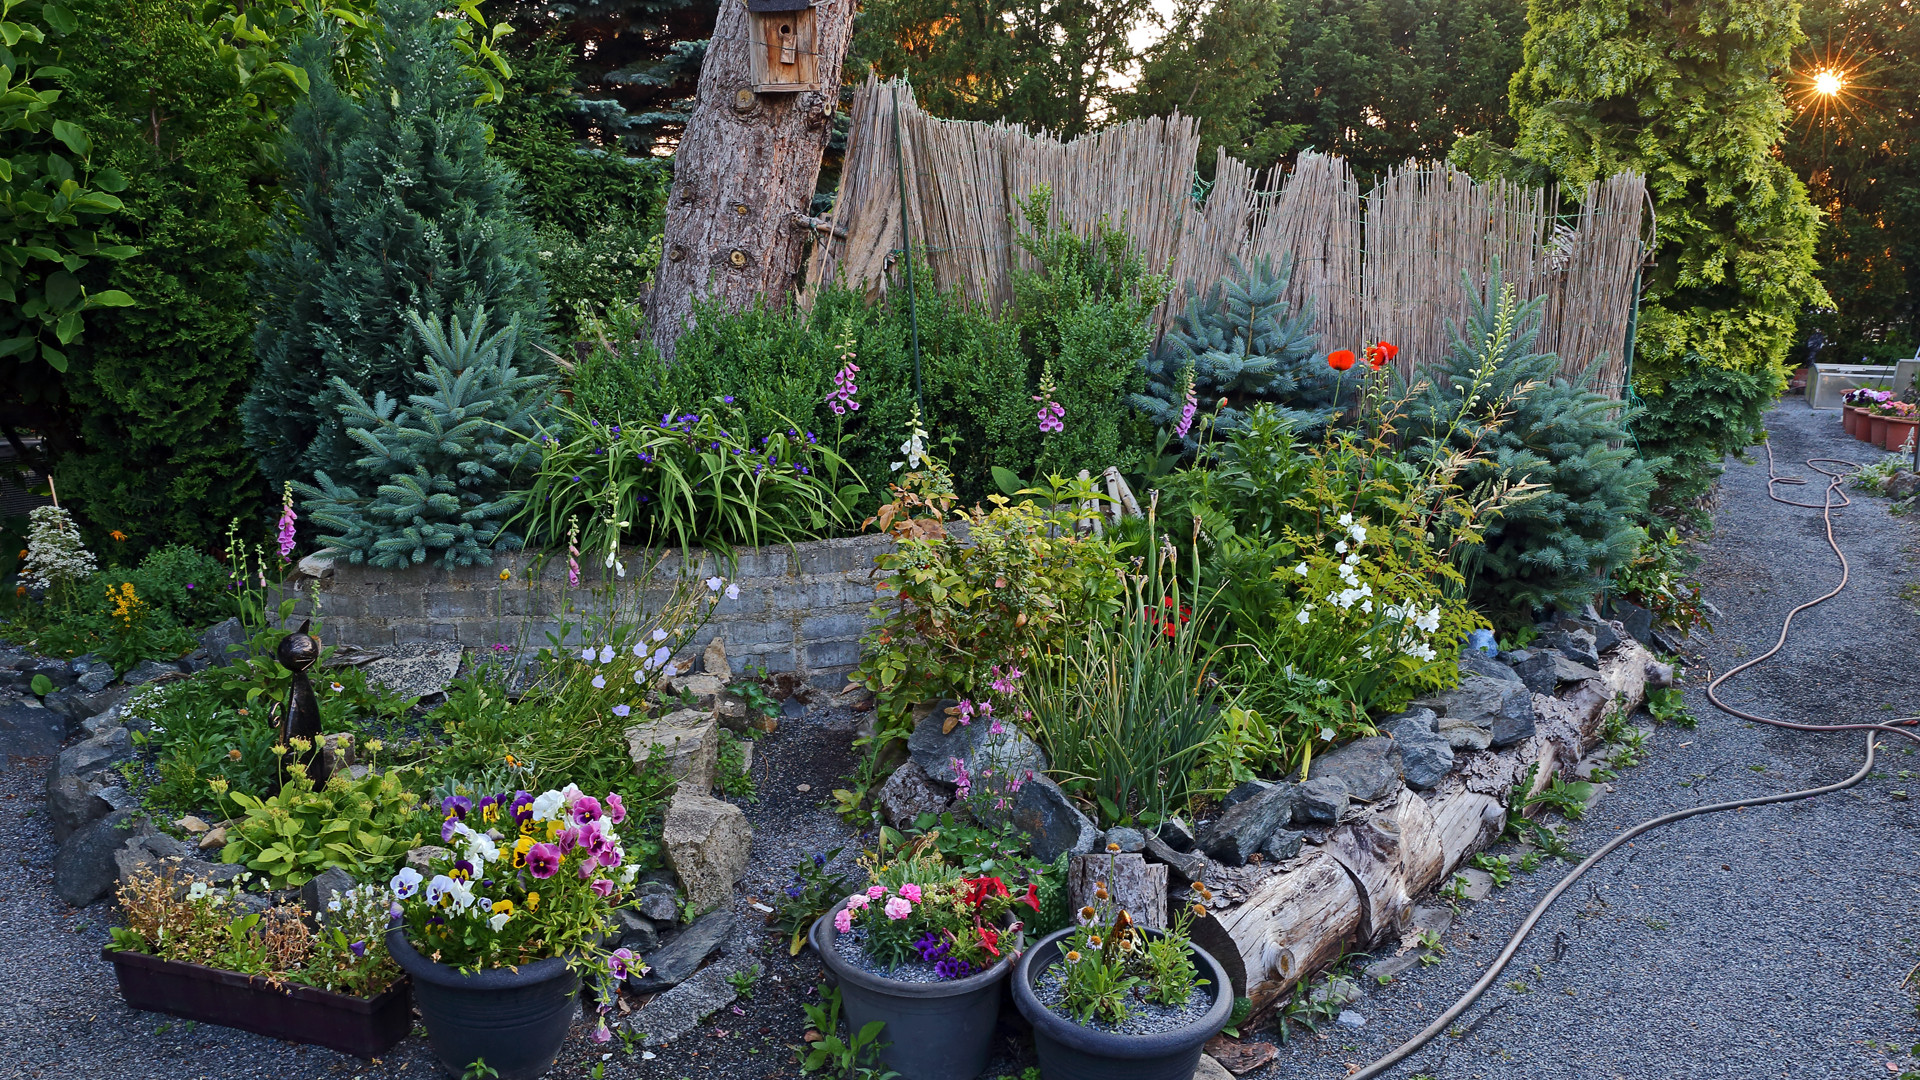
(1136, 886)
(743, 176)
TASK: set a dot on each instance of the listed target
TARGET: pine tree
(1555, 548)
(443, 471)
(1682, 91)
(396, 210)
(1238, 341)
(1218, 59)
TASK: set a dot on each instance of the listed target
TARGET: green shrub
(364, 826)
(591, 274)
(444, 473)
(1555, 548)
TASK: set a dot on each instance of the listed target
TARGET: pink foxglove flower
(1187, 409)
(841, 398)
(1052, 414)
(287, 518)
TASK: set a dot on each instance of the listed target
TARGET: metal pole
(906, 244)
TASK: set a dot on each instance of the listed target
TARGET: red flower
(989, 937)
(1340, 359)
(1033, 898)
(1380, 353)
(981, 888)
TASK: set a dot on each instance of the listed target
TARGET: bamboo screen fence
(1384, 266)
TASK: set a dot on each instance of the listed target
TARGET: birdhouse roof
(771, 6)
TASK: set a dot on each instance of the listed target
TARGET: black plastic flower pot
(362, 1026)
(1070, 1050)
(934, 1031)
(514, 1020)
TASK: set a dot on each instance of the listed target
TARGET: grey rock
(1425, 754)
(708, 843)
(151, 851)
(73, 802)
(416, 670)
(1337, 990)
(76, 703)
(1210, 1069)
(659, 907)
(1659, 675)
(1282, 845)
(1425, 719)
(1546, 669)
(680, 1010)
(147, 671)
(422, 858)
(95, 726)
(29, 729)
(84, 870)
(1472, 663)
(685, 743)
(1503, 709)
(95, 680)
(86, 662)
(1349, 1018)
(1902, 485)
(672, 963)
(1052, 823)
(1577, 645)
(1130, 840)
(1323, 799)
(1465, 734)
(713, 659)
(58, 672)
(1510, 728)
(1242, 792)
(1240, 829)
(319, 890)
(1637, 621)
(223, 639)
(793, 708)
(975, 746)
(1188, 864)
(1366, 766)
(910, 792)
(637, 932)
(94, 754)
(1607, 635)
(1176, 833)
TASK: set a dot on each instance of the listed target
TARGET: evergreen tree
(1555, 548)
(1216, 62)
(396, 210)
(442, 472)
(1682, 91)
(1237, 341)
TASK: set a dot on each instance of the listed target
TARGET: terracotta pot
(1849, 418)
(1877, 430)
(1898, 431)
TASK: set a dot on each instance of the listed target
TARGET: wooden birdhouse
(782, 49)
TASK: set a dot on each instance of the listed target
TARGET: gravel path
(1761, 943)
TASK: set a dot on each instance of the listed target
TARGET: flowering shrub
(958, 924)
(195, 923)
(545, 888)
(57, 559)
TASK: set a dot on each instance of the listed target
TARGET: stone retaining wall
(801, 608)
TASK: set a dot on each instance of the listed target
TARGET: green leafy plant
(744, 980)
(444, 471)
(1659, 579)
(854, 1057)
(731, 777)
(363, 826)
(1668, 705)
(1498, 867)
(1107, 960)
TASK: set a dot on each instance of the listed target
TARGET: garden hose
(1900, 726)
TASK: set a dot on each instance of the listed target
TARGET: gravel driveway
(1759, 943)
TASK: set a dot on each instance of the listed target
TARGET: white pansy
(498, 921)
(438, 888)
(547, 806)
(405, 883)
(461, 894)
(197, 890)
(482, 849)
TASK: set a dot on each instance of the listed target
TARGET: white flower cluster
(55, 554)
(1427, 622)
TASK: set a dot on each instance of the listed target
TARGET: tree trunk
(744, 174)
(1135, 886)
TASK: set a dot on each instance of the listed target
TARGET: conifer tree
(396, 210)
(1682, 91)
(1555, 548)
(1237, 341)
(442, 472)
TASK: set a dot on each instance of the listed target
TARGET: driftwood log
(1275, 925)
(1133, 884)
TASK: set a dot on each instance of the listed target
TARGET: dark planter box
(363, 1027)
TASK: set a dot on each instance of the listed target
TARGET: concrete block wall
(801, 608)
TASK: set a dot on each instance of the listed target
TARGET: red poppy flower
(1380, 353)
(1340, 359)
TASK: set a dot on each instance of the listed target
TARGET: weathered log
(1360, 884)
(1134, 885)
(746, 166)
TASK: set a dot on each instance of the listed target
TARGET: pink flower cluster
(1051, 415)
(1186, 412)
(840, 399)
(287, 518)
(894, 907)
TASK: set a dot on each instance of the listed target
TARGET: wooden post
(1137, 886)
(744, 174)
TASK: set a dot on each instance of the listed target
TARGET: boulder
(658, 906)
(685, 742)
(1509, 729)
(1637, 621)
(1240, 829)
(1577, 645)
(1242, 792)
(223, 640)
(1052, 823)
(1190, 865)
(672, 963)
(713, 660)
(1366, 766)
(975, 746)
(910, 792)
(1425, 754)
(415, 671)
(73, 802)
(707, 843)
(1464, 734)
(58, 672)
(29, 729)
(1545, 669)
(95, 726)
(702, 689)
(319, 890)
(1129, 840)
(152, 851)
(94, 754)
(1282, 845)
(637, 932)
(95, 680)
(1472, 663)
(1322, 800)
(84, 869)
(1176, 834)
(147, 671)
(1902, 485)
(76, 703)
(1485, 702)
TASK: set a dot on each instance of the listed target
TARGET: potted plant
(1901, 420)
(500, 932)
(1108, 998)
(194, 951)
(923, 952)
